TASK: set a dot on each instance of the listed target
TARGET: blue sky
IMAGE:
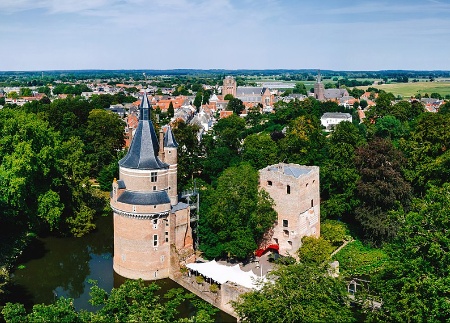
(224, 34)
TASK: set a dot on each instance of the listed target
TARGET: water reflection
(55, 267)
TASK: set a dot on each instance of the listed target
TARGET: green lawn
(411, 89)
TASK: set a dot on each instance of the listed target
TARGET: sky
(40, 35)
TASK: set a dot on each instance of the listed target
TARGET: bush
(199, 279)
(214, 288)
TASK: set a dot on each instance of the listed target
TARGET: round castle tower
(148, 219)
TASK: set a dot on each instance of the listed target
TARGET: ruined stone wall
(297, 203)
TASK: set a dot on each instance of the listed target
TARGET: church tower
(151, 229)
(229, 86)
(319, 88)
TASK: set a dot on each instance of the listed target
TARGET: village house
(330, 119)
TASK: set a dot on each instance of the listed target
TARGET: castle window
(307, 184)
(288, 189)
(167, 222)
(312, 203)
(167, 236)
(154, 188)
(155, 223)
(169, 152)
(290, 242)
(286, 233)
(285, 223)
(162, 258)
(153, 177)
(269, 183)
(276, 240)
(155, 240)
(134, 208)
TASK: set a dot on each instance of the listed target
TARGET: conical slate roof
(143, 152)
(169, 139)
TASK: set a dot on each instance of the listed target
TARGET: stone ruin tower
(295, 191)
(152, 233)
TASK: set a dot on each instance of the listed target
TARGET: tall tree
(235, 214)
(300, 293)
(235, 105)
(382, 189)
(414, 283)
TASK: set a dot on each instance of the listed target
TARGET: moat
(53, 267)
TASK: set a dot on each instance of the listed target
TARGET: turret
(171, 158)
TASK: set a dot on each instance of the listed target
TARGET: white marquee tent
(221, 274)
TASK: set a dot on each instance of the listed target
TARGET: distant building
(295, 191)
(330, 119)
(322, 94)
(319, 89)
(250, 96)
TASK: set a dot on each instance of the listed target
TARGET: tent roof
(222, 274)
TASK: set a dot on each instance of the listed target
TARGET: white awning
(222, 274)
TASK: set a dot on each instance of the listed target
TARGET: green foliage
(228, 97)
(235, 105)
(213, 288)
(50, 208)
(235, 214)
(301, 293)
(414, 284)
(105, 136)
(133, 301)
(382, 190)
(260, 150)
(315, 251)
(358, 259)
(333, 231)
(199, 279)
(299, 88)
(82, 221)
(303, 141)
(170, 110)
(389, 127)
(24, 91)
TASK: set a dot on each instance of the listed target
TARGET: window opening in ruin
(269, 183)
(290, 242)
(286, 233)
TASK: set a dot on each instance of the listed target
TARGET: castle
(295, 191)
(152, 233)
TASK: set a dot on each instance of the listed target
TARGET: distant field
(411, 89)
